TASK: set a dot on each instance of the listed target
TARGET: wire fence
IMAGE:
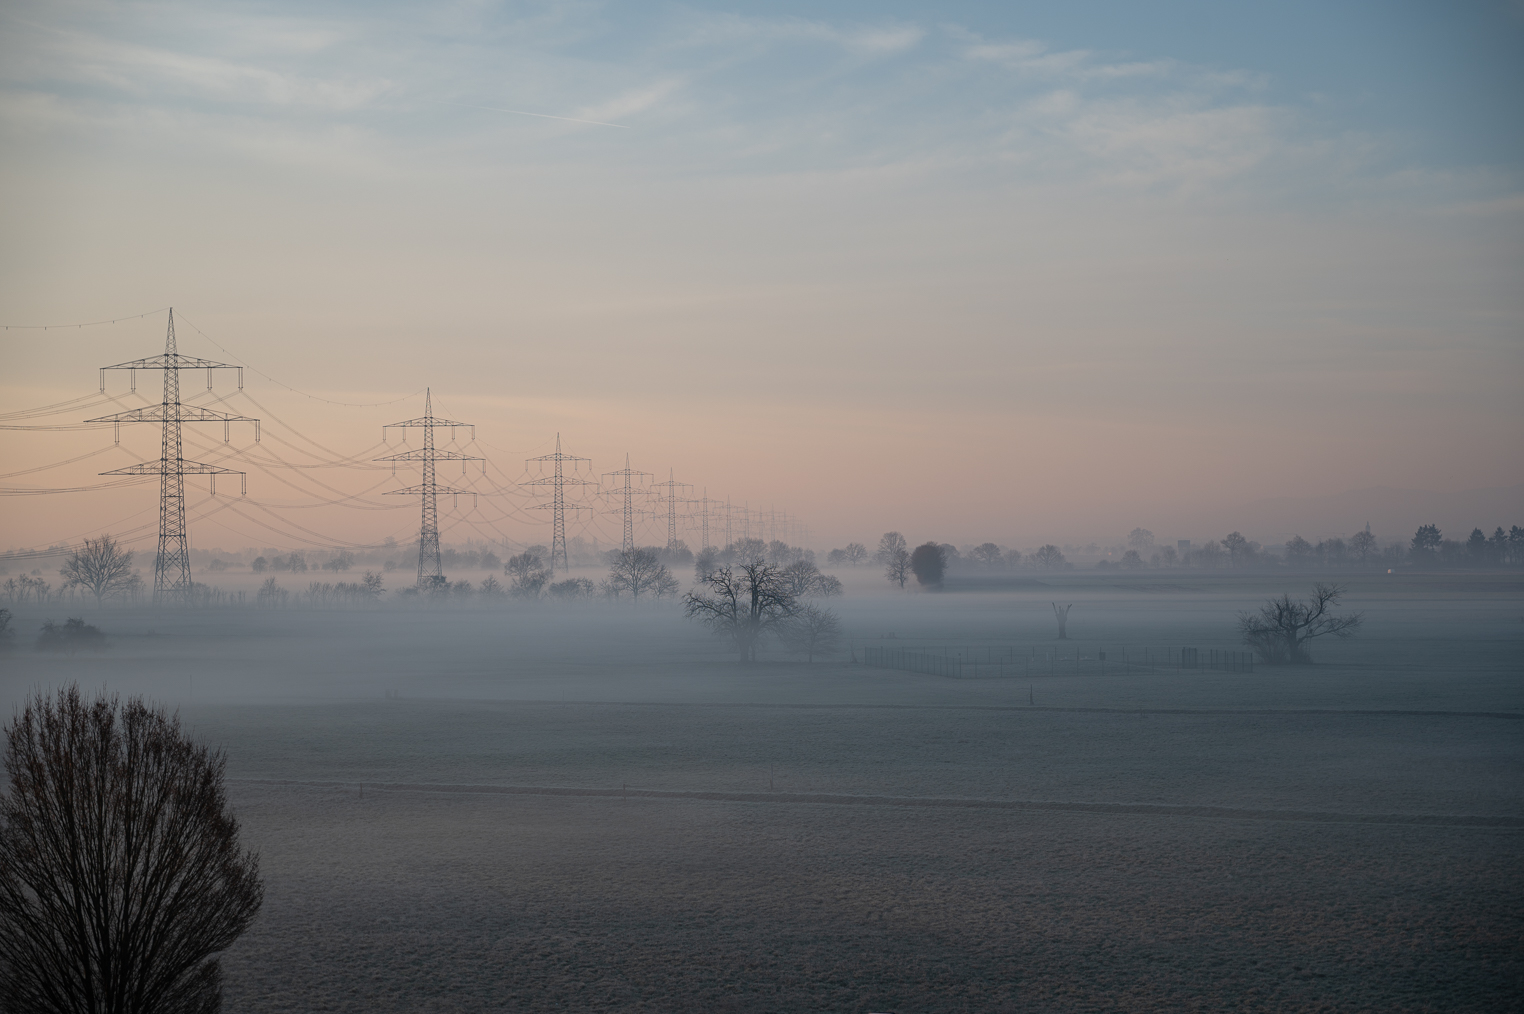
(1009, 662)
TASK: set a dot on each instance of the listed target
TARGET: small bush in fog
(70, 636)
(1282, 628)
(492, 588)
(270, 595)
(120, 872)
(7, 632)
(529, 585)
(573, 589)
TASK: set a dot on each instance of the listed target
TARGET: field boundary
(1390, 712)
(941, 802)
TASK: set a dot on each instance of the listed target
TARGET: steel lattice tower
(171, 568)
(628, 491)
(670, 499)
(703, 505)
(429, 567)
(557, 506)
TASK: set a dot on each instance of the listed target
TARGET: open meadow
(595, 807)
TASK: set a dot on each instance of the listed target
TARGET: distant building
(1183, 545)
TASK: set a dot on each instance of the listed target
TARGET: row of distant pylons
(172, 576)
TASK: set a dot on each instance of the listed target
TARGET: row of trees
(929, 562)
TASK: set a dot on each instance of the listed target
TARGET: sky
(1019, 272)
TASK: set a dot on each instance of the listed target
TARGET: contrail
(543, 116)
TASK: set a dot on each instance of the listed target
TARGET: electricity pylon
(557, 506)
(429, 567)
(627, 491)
(171, 565)
(670, 498)
(703, 503)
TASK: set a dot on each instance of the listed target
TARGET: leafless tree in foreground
(742, 604)
(1063, 620)
(101, 565)
(1281, 629)
(120, 872)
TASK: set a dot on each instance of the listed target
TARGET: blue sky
(1117, 242)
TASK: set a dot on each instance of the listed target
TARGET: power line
(293, 390)
(88, 323)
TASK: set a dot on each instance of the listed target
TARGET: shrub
(70, 636)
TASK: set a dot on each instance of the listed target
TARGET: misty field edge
(971, 803)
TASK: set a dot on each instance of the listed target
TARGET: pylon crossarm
(172, 361)
(431, 488)
(430, 420)
(186, 413)
(423, 455)
(564, 480)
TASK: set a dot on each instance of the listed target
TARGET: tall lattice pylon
(669, 496)
(703, 512)
(171, 565)
(430, 569)
(627, 489)
(558, 481)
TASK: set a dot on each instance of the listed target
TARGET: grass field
(596, 809)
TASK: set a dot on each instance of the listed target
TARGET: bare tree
(1363, 545)
(812, 631)
(855, 553)
(1140, 539)
(1063, 620)
(638, 571)
(803, 579)
(988, 554)
(742, 604)
(121, 876)
(1048, 557)
(894, 554)
(524, 564)
(1281, 629)
(101, 565)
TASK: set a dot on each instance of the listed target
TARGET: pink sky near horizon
(1101, 311)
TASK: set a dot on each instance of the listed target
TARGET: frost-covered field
(786, 837)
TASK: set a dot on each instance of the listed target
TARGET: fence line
(991, 663)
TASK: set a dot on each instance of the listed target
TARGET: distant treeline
(1363, 551)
